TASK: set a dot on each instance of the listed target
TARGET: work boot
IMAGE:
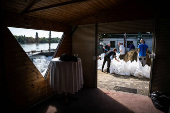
(108, 71)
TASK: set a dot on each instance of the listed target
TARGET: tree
(103, 36)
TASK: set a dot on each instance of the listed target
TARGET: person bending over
(107, 58)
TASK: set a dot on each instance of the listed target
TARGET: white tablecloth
(66, 76)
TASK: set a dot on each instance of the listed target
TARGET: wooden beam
(55, 5)
(23, 21)
(96, 49)
(33, 2)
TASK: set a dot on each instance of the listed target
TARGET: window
(129, 43)
(112, 44)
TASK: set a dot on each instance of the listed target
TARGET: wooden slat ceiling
(75, 12)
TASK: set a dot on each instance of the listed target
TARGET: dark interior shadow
(90, 100)
(129, 77)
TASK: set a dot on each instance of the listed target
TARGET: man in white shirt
(121, 50)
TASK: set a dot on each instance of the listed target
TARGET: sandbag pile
(42, 64)
(132, 55)
(128, 68)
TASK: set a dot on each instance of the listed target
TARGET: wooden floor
(95, 100)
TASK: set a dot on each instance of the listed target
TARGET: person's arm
(138, 50)
(146, 50)
(116, 58)
(120, 49)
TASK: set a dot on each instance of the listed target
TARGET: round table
(66, 76)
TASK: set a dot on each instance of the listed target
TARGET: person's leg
(123, 56)
(140, 59)
(104, 61)
(108, 65)
(120, 56)
(144, 61)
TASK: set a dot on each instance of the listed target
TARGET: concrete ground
(109, 81)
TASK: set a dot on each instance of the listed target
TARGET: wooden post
(96, 49)
(49, 41)
(4, 94)
(125, 41)
(36, 38)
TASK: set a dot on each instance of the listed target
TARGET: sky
(32, 32)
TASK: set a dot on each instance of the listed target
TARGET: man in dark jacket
(131, 47)
(106, 48)
(107, 58)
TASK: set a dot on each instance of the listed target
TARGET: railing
(34, 51)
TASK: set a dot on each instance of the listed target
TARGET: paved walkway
(109, 81)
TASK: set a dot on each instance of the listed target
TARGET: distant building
(114, 39)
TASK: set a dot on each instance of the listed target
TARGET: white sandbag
(100, 63)
(126, 68)
(138, 73)
(43, 73)
(102, 56)
(146, 71)
(134, 66)
(37, 60)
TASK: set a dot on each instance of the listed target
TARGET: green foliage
(103, 36)
(22, 39)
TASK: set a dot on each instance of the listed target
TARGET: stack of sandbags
(133, 55)
(130, 68)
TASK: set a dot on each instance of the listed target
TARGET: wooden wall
(66, 45)
(127, 27)
(161, 73)
(3, 91)
(83, 44)
(24, 84)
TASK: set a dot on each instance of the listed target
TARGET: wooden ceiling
(76, 12)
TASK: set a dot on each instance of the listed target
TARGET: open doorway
(127, 75)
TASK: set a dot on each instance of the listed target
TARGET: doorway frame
(97, 32)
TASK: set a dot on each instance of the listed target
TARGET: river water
(38, 47)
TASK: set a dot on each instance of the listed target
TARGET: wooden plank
(94, 5)
(104, 4)
(99, 4)
(34, 23)
(33, 2)
(55, 5)
(14, 73)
